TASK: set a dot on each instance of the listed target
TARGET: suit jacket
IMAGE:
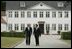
(37, 32)
(28, 32)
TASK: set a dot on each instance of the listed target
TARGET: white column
(56, 26)
(38, 14)
(44, 28)
(70, 20)
(63, 26)
(25, 14)
(13, 14)
(19, 27)
(31, 14)
(50, 14)
(50, 22)
(44, 14)
(63, 14)
(19, 12)
(56, 14)
(13, 27)
(19, 23)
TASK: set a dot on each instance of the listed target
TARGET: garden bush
(12, 34)
(65, 35)
(58, 32)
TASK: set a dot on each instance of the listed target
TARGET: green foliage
(58, 32)
(13, 34)
(3, 5)
(65, 35)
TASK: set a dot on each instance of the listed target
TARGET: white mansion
(50, 15)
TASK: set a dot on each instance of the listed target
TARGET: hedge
(12, 34)
(66, 35)
(58, 32)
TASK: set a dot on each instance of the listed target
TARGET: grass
(8, 42)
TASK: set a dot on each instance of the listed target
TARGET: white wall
(3, 27)
(32, 20)
(44, 6)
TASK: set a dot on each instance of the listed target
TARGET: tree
(3, 5)
(66, 3)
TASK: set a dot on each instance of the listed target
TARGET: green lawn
(8, 42)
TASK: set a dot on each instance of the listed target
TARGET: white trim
(41, 3)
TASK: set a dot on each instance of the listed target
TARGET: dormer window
(60, 4)
(22, 4)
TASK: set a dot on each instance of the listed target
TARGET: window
(60, 4)
(53, 14)
(10, 14)
(22, 4)
(16, 14)
(53, 26)
(28, 14)
(47, 14)
(59, 26)
(22, 14)
(35, 14)
(16, 27)
(47, 27)
(60, 14)
(9, 26)
(66, 14)
(41, 14)
(23, 27)
(66, 27)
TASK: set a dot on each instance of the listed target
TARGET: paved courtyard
(46, 41)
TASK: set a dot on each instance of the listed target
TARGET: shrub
(4, 31)
(58, 32)
(65, 35)
(12, 34)
(12, 31)
(47, 32)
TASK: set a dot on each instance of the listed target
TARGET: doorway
(41, 28)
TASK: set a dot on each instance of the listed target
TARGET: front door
(41, 28)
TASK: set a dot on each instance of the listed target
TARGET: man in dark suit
(28, 32)
(37, 33)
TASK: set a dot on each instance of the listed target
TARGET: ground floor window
(16, 26)
(23, 27)
(47, 27)
(53, 26)
(59, 26)
(66, 27)
(9, 26)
